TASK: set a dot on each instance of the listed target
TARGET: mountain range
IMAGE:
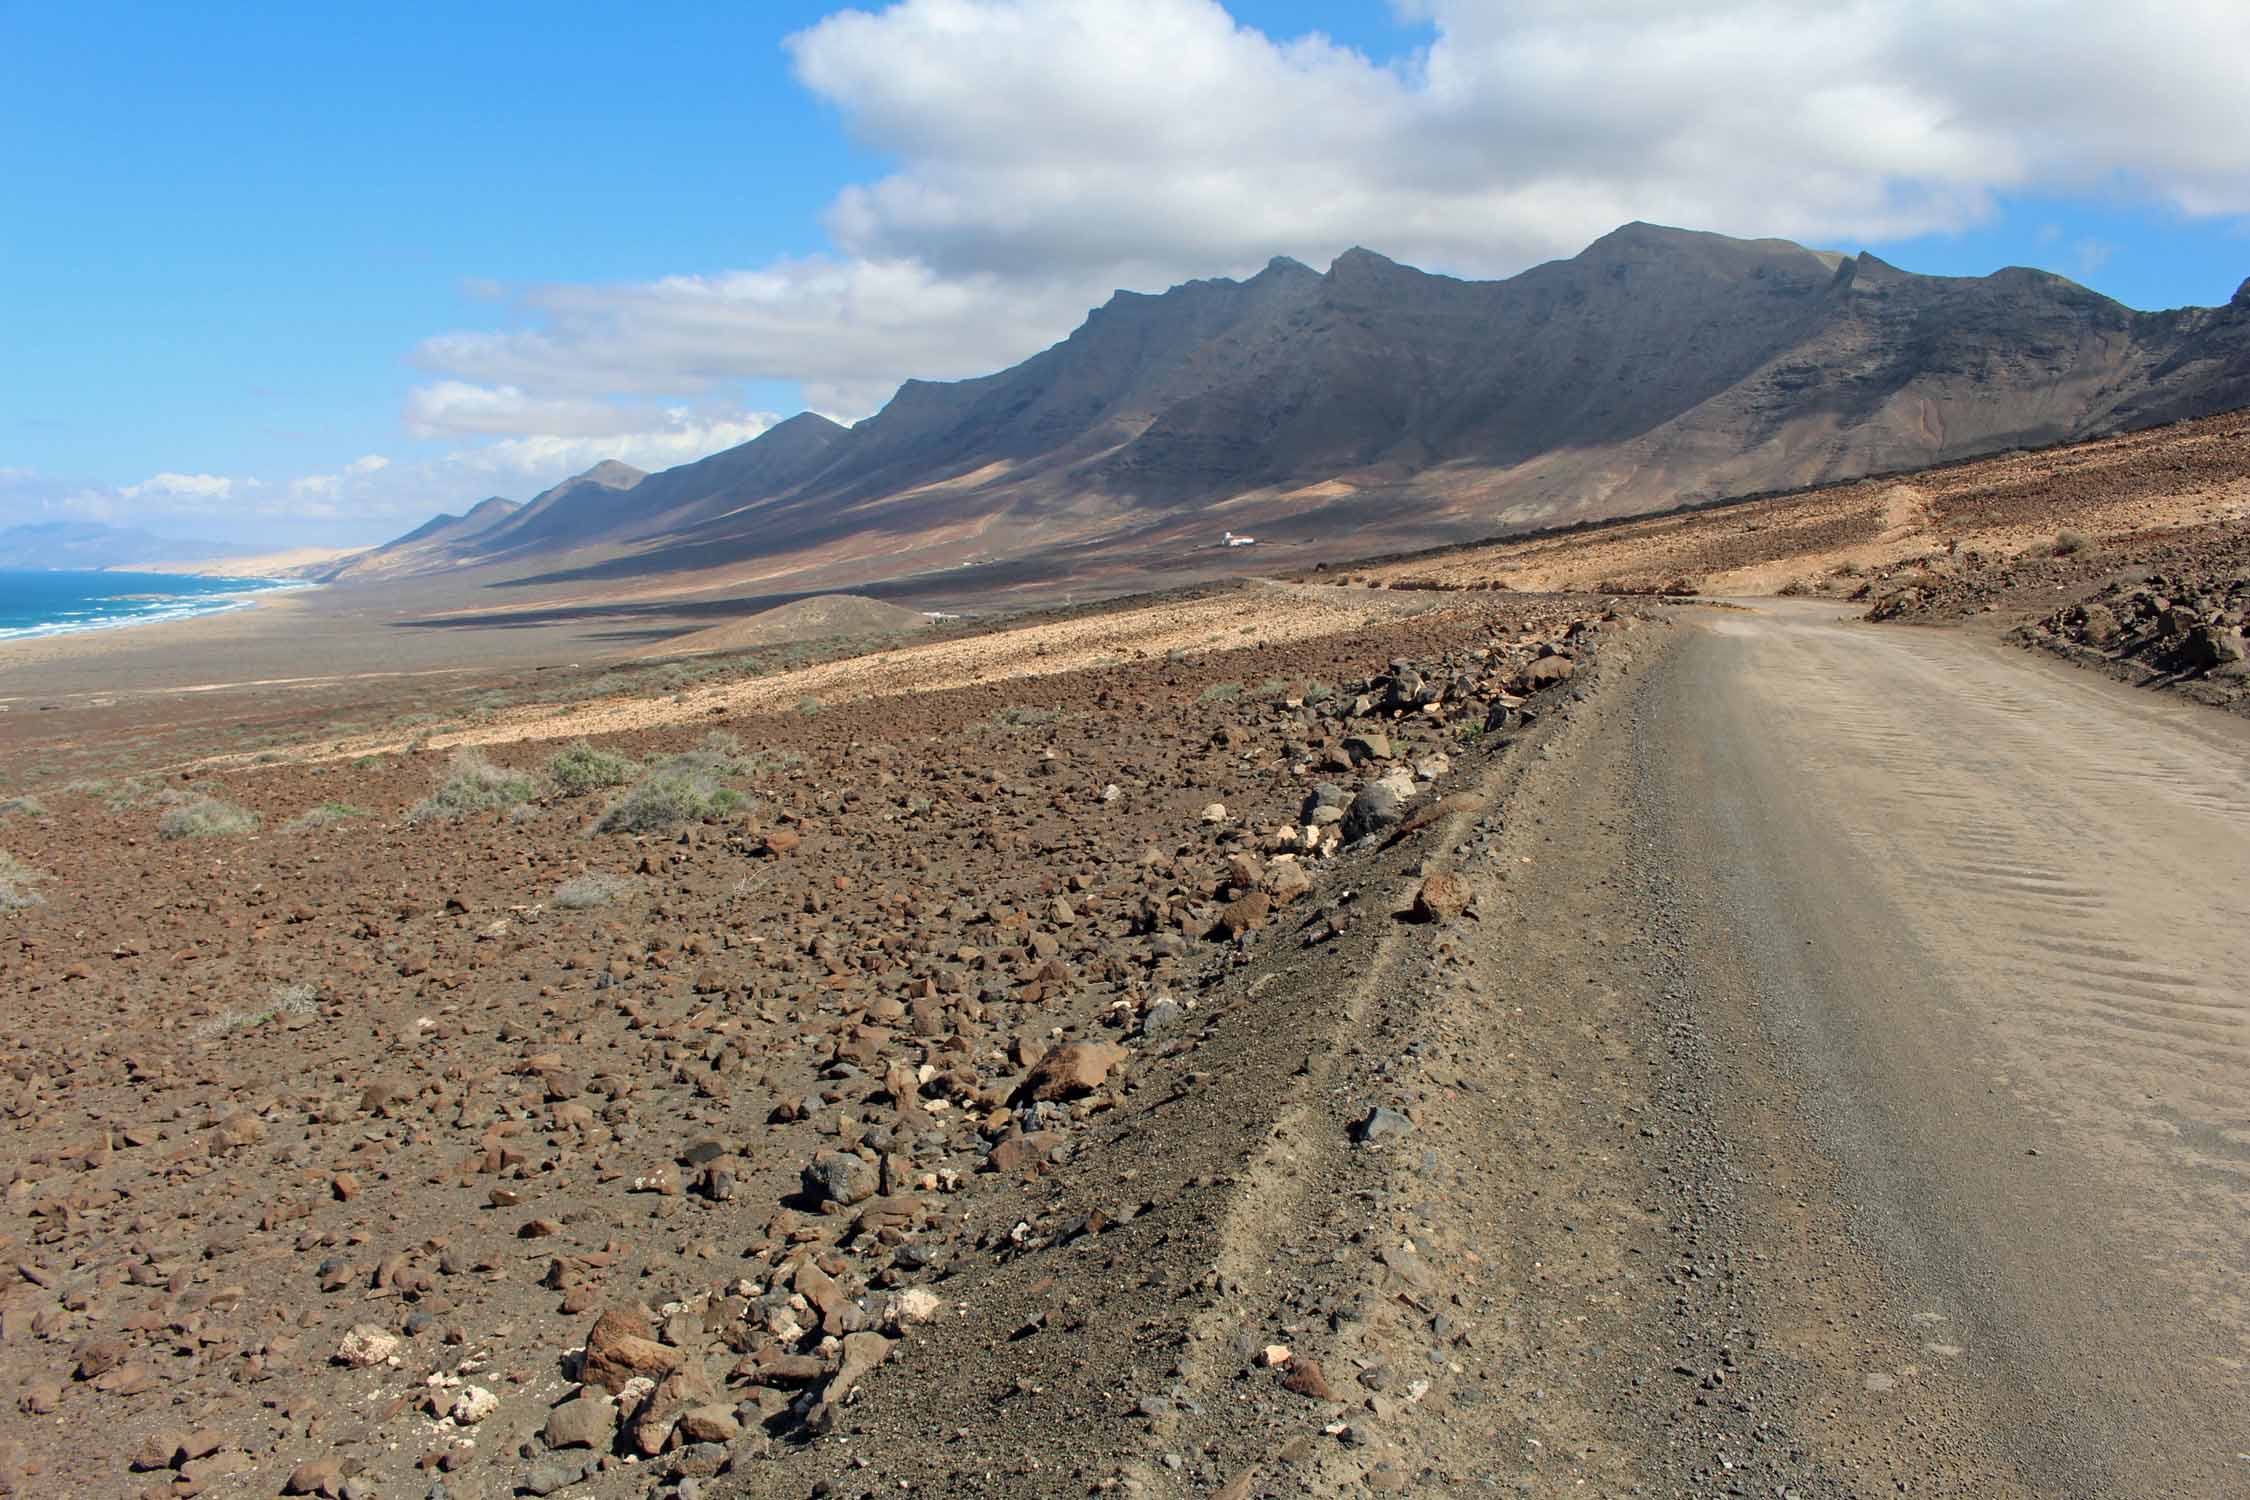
(92, 546)
(1374, 405)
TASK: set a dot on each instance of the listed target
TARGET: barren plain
(1496, 1030)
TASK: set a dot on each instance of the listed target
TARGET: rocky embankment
(2166, 612)
(894, 1125)
(2180, 629)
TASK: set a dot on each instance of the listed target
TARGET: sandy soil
(286, 563)
(2195, 474)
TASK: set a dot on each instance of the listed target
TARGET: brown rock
(159, 1450)
(1286, 880)
(621, 1346)
(1072, 1070)
(1020, 1151)
(316, 1476)
(1305, 1379)
(100, 1357)
(862, 1353)
(1443, 896)
(1245, 914)
(709, 1424)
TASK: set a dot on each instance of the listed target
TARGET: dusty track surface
(1989, 911)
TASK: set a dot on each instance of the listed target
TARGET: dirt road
(1986, 917)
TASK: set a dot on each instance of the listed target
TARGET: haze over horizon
(294, 285)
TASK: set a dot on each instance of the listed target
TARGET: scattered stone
(473, 1405)
(586, 1420)
(1381, 1127)
(841, 1177)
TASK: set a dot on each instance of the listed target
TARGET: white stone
(473, 1405)
(365, 1346)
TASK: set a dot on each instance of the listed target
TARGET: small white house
(1231, 540)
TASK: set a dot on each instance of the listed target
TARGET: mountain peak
(1360, 258)
(804, 421)
(611, 474)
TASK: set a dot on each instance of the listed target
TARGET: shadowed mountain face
(1378, 405)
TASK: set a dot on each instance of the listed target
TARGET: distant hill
(826, 617)
(90, 545)
(1374, 405)
(435, 544)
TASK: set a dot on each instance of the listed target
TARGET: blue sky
(289, 279)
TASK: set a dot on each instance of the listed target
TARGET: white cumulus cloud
(1046, 153)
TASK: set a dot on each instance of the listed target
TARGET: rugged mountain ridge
(1377, 404)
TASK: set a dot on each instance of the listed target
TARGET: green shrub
(595, 888)
(197, 815)
(25, 806)
(1024, 717)
(669, 795)
(473, 784)
(579, 768)
(809, 705)
(327, 815)
(2069, 543)
(16, 882)
(1221, 692)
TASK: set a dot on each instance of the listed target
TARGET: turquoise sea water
(50, 603)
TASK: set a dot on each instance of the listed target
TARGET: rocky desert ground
(1233, 1042)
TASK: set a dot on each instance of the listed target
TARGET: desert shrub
(1220, 692)
(2069, 543)
(118, 795)
(595, 888)
(198, 815)
(809, 705)
(669, 794)
(327, 815)
(287, 1000)
(579, 768)
(16, 883)
(1024, 717)
(26, 806)
(473, 784)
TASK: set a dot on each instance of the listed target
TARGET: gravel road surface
(1986, 916)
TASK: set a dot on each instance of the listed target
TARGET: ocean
(51, 603)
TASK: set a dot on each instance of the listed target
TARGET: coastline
(109, 637)
(255, 591)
